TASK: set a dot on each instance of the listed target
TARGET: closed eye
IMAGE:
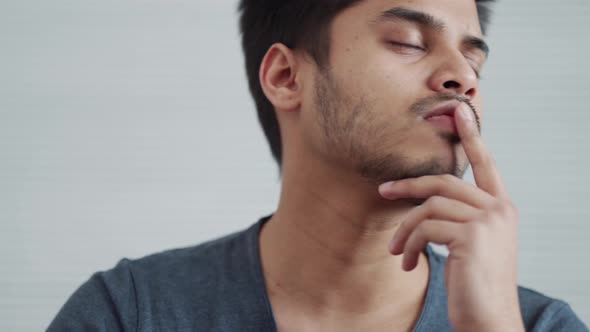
(403, 45)
(477, 74)
(475, 69)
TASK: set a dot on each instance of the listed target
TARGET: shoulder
(183, 275)
(199, 260)
(544, 313)
(178, 281)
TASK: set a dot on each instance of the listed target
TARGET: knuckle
(410, 243)
(442, 183)
(498, 206)
(493, 214)
(403, 228)
(502, 209)
(434, 203)
(506, 207)
(416, 237)
(407, 227)
(447, 179)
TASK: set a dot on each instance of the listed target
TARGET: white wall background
(126, 128)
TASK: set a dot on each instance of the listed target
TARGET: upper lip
(445, 108)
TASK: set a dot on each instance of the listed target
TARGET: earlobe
(278, 78)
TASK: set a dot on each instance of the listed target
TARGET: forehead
(459, 16)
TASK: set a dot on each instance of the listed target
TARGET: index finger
(482, 163)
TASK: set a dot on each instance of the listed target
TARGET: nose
(453, 74)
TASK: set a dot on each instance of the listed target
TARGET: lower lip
(445, 122)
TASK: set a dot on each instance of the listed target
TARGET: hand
(479, 226)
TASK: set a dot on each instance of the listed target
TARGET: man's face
(360, 112)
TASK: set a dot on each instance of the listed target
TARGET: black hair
(298, 24)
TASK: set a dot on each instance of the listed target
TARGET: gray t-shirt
(219, 286)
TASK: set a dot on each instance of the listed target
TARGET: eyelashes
(416, 49)
(477, 74)
(406, 49)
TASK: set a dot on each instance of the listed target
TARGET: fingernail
(385, 187)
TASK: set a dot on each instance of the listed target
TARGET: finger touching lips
(482, 163)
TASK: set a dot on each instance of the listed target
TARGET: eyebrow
(429, 21)
(410, 15)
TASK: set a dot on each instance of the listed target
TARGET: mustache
(424, 105)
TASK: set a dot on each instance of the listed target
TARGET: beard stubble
(353, 134)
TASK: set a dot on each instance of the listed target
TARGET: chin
(390, 168)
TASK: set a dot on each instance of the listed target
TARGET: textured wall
(126, 128)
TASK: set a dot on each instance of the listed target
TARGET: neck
(327, 243)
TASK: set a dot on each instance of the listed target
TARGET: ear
(279, 78)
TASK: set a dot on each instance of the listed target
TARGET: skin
(347, 131)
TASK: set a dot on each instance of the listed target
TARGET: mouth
(443, 116)
(445, 123)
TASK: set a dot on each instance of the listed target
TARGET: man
(352, 95)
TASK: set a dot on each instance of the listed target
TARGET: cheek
(391, 92)
(379, 85)
(360, 70)
(392, 79)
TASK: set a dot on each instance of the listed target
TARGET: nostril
(451, 85)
